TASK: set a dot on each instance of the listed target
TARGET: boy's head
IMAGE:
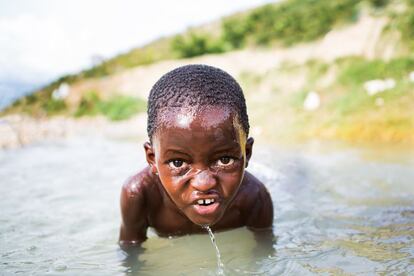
(198, 128)
(193, 86)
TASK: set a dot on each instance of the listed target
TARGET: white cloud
(45, 38)
(35, 45)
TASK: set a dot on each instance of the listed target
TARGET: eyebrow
(174, 151)
(232, 148)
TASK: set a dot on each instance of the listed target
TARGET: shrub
(234, 32)
(289, 22)
(378, 3)
(194, 44)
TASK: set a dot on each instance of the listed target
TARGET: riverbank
(20, 130)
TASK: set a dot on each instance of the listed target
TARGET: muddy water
(338, 210)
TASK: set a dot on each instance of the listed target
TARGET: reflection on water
(337, 211)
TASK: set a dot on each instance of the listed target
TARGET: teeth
(205, 201)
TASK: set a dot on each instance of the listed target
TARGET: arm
(134, 212)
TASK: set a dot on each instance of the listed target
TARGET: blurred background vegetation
(346, 111)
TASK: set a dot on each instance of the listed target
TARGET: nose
(204, 181)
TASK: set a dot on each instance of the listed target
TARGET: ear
(150, 156)
(249, 149)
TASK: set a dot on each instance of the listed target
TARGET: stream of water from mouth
(220, 265)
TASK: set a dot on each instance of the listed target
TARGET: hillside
(305, 66)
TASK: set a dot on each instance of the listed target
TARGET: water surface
(342, 211)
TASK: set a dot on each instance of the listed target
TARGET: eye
(176, 164)
(225, 161)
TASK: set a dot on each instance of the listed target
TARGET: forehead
(206, 117)
(205, 123)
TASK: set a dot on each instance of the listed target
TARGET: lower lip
(206, 210)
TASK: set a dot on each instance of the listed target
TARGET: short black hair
(195, 85)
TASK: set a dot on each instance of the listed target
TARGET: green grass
(54, 107)
(297, 99)
(351, 101)
(89, 105)
(249, 79)
(346, 95)
(316, 70)
(122, 107)
(347, 112)
(116, 108)
(356, 71)
(38, 105)
(405, 23)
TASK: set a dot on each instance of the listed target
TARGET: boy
(197, 151)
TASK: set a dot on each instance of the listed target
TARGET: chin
(204, 220)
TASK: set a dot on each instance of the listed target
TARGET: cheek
(230, 182)
(172, 184)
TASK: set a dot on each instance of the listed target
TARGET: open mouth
(207, 206)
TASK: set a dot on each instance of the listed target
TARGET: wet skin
(196, 176)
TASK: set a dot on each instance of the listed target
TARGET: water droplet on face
(184, 120)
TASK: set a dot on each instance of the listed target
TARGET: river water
(338, 210)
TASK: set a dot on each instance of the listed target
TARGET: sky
(43, 39)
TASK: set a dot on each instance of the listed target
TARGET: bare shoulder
(135, 193)
(136, 185)
(256, 202)
(251, 188)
